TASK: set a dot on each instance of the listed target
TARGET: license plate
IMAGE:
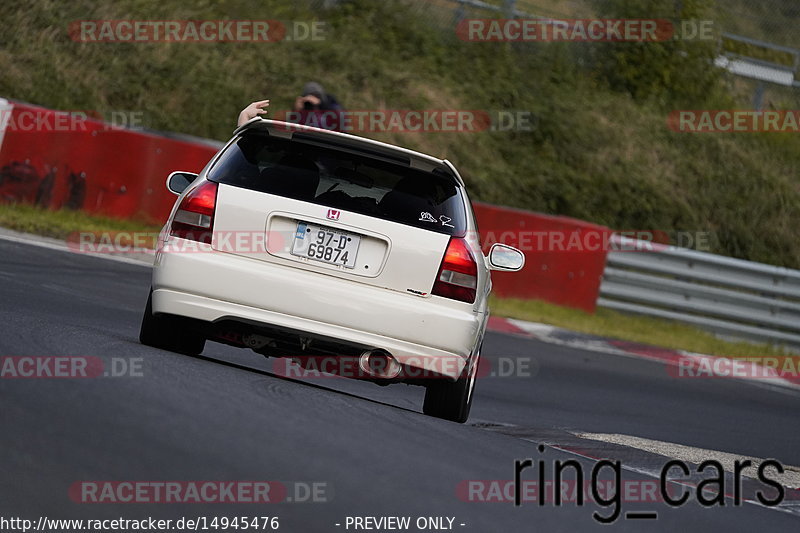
(326, 245)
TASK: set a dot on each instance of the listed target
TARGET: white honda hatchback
(306, 243)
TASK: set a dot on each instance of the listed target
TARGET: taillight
(458, 275)
(194, 219)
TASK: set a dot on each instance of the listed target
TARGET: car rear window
(343, 180)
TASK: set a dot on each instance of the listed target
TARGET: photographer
(314, 98)
(309, 108)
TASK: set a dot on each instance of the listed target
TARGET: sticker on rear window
(445, 221)
(426, 217)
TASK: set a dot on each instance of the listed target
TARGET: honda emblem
(333, 214)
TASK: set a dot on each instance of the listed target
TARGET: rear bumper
(418, 332)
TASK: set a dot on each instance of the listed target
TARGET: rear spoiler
(351, 143)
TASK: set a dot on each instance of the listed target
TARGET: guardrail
(760, 70)
(736, 298)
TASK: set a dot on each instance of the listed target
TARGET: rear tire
(168, 332)
(452, 400)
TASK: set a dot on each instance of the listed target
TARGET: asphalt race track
(226, 416)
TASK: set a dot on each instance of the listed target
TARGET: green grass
(62, 224)
(608, 323)
(600, 151)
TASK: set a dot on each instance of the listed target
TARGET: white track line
(690, 454)
(54, 244)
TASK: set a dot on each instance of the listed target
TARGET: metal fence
(732, 297)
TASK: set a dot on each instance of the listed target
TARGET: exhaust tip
(379, 364)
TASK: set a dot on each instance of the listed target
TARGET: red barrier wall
(99, 169)
(51, 159)
(564, 257)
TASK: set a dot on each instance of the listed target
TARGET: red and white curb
(680, 363)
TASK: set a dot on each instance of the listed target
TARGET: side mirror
(178, 181)
(502, 257)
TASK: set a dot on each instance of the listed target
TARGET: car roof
(311, 134)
